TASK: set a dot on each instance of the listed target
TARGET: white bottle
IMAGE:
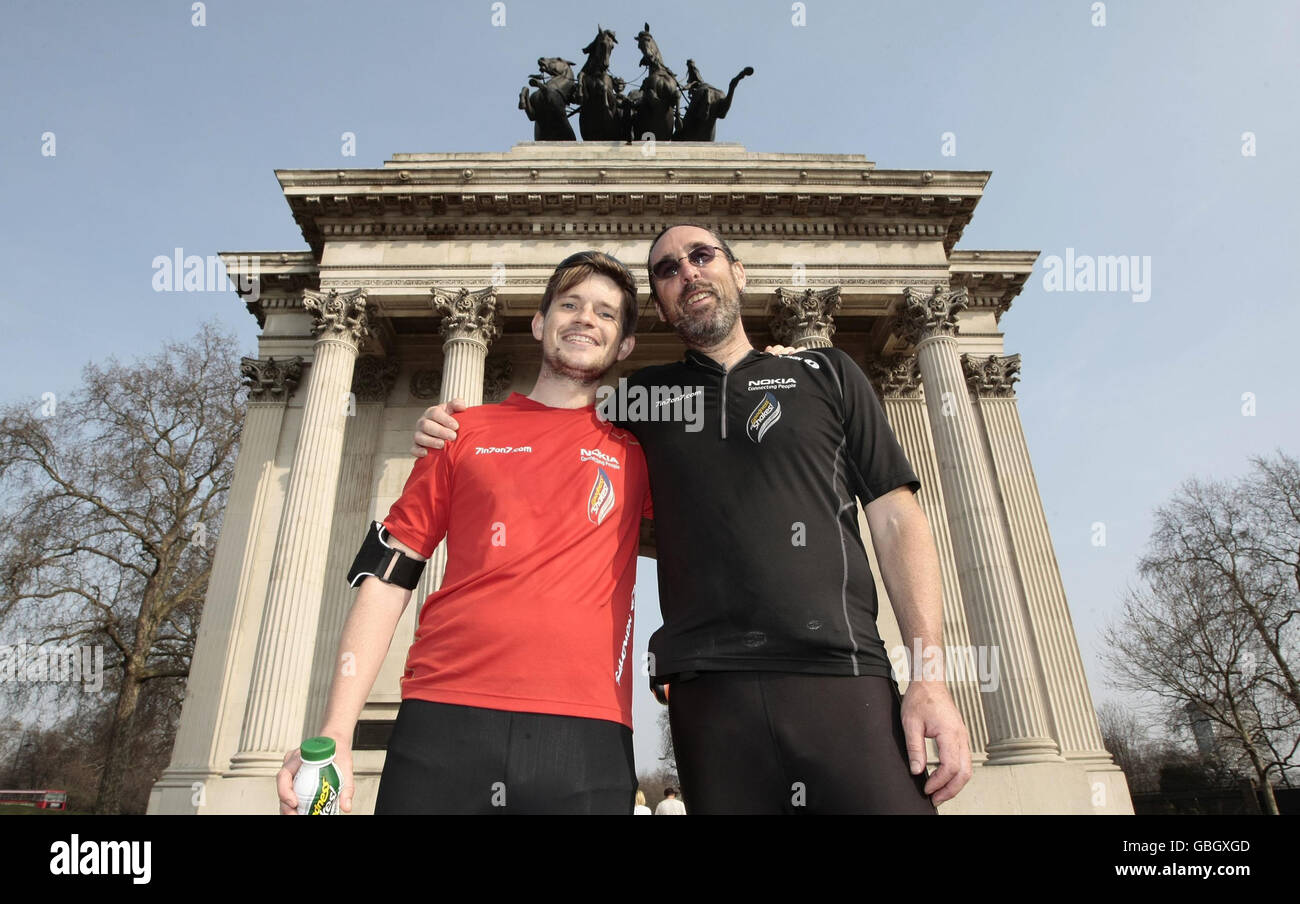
(317, 782)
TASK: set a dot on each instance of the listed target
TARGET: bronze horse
(705, 105)
(603, 115)
(547, 106)
(655, 110)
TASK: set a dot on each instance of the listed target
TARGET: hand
(437, 427)
(780, 350)
(928, 712)
(289, 771)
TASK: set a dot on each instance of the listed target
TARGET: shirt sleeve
(419, 516)
(873, 450)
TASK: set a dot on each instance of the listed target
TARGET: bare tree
(1247, 538)
(113, 500)
(1213, 631)
(667, 756)
(1126, 735)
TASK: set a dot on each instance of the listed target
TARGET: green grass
(17, 810)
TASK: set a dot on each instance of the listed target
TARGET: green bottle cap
(317, 750)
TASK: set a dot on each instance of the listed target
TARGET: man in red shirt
(516, 697)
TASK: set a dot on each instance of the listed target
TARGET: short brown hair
(576, 268)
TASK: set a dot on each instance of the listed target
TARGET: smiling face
(700, 302)
(581, 330)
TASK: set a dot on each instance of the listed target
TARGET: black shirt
(761, 564)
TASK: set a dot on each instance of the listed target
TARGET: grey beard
(708, 332)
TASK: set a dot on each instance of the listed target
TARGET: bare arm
(362, 648)
(366, 638)
(909, 567)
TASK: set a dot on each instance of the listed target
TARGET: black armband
(388, 563)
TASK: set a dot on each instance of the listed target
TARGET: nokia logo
(774, 383)
(599, 457)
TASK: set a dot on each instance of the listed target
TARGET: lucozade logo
(600, 501)
(763, 417)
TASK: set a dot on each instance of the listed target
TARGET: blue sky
(1119, 139)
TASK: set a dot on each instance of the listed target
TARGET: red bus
(42, 800)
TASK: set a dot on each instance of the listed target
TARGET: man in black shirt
(780, 693)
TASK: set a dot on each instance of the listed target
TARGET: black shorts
(444, 758)
(779, 742)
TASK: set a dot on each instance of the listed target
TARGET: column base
(181, 792)
(1041, 789)
(255, 763)
(1023, 750)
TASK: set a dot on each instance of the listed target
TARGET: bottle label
(326, 800)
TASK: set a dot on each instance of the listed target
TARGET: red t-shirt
(541, 508)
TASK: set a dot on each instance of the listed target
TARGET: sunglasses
(699, 257)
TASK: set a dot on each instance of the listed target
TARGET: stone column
(897, 382)
(372, 383)
(805, 319)
(1017, 726)
(471, 321)
(214, 693)
(1069, 702)
(277, 696)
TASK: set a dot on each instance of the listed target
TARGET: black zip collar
(700, 359)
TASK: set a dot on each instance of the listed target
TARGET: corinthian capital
(993, 375)
(805, 319)
(269, 380)
(898, 377)
(469, 315)
(338, 315)
(930, 313)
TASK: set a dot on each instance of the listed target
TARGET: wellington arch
(418, 284)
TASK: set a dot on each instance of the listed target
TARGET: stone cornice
(532, 215)
(538, 190)
(991, 278)
(271, 277)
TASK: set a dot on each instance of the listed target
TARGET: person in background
(670, 805)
